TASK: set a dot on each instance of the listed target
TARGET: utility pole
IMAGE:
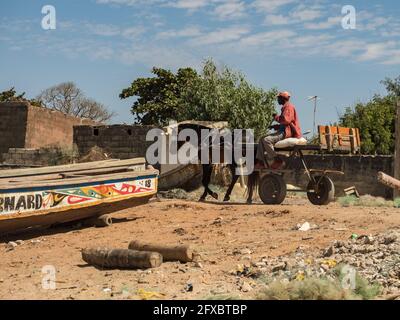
(396, 165)
(315, 98)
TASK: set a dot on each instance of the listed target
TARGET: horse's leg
(207, 183)
(235, 178)
(205, 180)
(251, 185)
(207, 171)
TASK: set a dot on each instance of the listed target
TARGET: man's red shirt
(289, 120)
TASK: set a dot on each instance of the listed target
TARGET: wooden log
(181, 253)
(121, 258)
(388, 181)
(100, 221)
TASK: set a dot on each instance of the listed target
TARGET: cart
(320, 188)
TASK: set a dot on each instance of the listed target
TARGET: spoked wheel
(272, 189)
(321, 193)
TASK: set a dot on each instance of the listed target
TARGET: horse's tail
(252, 184)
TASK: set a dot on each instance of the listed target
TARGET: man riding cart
(271, 166)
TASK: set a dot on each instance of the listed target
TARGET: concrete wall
(47, 127)
(26, 126)
(359, 171)
(122, 141)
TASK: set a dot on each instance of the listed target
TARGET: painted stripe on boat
(76, 185)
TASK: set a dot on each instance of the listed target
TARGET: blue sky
(299, 46)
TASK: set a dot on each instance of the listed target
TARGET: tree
(12, 96)
(212, 95)
(392, 86)
(226, 95)
(159, 98)
(69, 99)
(376, 120)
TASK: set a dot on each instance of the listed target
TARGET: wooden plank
(77, 180)
(71, 174)
(70, 168)
(396, 192)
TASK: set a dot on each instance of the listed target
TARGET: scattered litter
(180, 231)
(354, 236)
(280, 266)
(352, 191)
(305, 226)
(11, 245)
(189, 287)
(106, 290)
(245, 287)
(147, 295)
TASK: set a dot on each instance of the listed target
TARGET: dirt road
(225, 235)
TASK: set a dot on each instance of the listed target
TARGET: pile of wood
(138, 256)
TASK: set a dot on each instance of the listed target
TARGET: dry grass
(368, 201)
(320, 289)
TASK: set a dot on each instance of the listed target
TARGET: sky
(296, 46)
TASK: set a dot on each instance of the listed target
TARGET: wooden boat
(51, 195)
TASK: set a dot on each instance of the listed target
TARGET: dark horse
(208, 169)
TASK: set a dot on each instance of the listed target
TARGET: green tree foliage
(159, 98)
(226, 95)
(212, 95)
(376, 120)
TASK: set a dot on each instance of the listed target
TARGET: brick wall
(37, 157)
(122, 141)
(359, 171)
(13, 119)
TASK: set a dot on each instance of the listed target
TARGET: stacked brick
(121, 141)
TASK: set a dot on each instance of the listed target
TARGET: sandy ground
(225, 235)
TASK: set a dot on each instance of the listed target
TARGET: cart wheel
(324, 193)
(272, 189)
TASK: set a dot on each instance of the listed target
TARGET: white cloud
(271, 5)
(126, 2)
(102, 29)
(297, 15)
(305, 14)
(373, 51)
(152, 55)
(221, 36)
(231, 9)
(183, 33)
(329, 23)
(393, 59)
(188, 4)
(269, 37)
(276, 20)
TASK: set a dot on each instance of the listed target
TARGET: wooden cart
(320, 188)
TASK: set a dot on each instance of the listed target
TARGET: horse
(207, 168)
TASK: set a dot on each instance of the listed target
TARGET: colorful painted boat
(51, 195)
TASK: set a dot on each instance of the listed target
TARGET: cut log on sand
(388, 181)
(121, 258)
(169, 253)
